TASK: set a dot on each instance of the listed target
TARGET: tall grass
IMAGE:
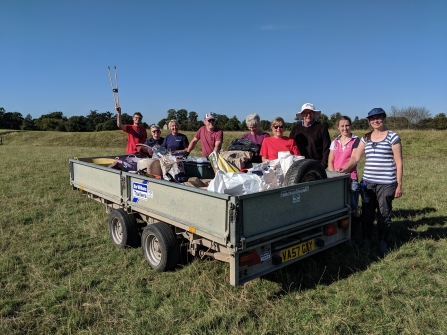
(59, 273)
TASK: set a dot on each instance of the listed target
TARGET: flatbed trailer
(255, 233)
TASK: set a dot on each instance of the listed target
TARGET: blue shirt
(177, 142)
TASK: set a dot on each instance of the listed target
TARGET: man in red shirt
(135, 133)
(211, 137)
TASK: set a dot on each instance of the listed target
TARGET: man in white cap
(209, 134)
(311, 136)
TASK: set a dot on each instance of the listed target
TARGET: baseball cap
(210, 116)
(308, 106)
(376, 111)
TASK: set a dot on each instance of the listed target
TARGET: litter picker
(116, 99)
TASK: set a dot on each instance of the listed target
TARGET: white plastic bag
(236, 183)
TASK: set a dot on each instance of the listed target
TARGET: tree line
(398, 118)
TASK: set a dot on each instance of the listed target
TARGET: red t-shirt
(135, 135)
(209, 139)
(271, 145)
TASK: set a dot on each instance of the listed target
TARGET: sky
(223, 56)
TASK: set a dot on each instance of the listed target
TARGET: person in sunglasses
(311, 136)
(210, 136)
(136, 134)
(278, 142)
(383, 176)
(156, 138)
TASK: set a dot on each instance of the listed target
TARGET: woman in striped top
(382, 174)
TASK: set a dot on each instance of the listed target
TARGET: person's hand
(398, 193)
(185, 154)
(118, 109)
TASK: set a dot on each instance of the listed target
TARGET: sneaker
(383, 249)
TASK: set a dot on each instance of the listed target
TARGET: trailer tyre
(160, 247)
(123, 229)
(304, 170)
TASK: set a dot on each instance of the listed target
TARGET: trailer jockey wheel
(123, 229)
(160, 247)
(304, 170)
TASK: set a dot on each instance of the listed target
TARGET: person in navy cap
(383, 176)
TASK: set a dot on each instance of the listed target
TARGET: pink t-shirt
(208, 139)
(272, 145)
(256, 138)
(135, 134)
(342, 154)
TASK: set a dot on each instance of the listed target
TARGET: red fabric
(271, 145)
(135, 135)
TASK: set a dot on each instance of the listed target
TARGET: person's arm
(397, 153)
(294, 149)
(264, 159)
(326, 145)
(217, 146)
(192, 145)
(355, 158)
(330, 161)
(185, 143)
(118, 118)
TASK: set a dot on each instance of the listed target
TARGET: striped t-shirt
(380, 167)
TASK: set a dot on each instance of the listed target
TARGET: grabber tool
(114, 89)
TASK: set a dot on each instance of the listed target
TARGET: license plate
(297, 250)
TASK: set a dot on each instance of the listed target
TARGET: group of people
(382, 176)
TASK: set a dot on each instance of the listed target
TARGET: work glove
(185, 154)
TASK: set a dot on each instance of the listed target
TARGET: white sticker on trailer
(296, 198)
(294, 192)
(141, 191)
(265, 255)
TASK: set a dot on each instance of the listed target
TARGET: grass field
(60, 274)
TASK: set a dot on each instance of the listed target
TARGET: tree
(333, 120)
(397, 122)
(77, 123)
(221, 121)
(172, 115)
(412, 114)
(28, 123)
(94, 118)
(181, 115)
(193, 122)
(440, 122)
(11, 120)
(54, 121)
(233, 124)
(265, 125)
(324, 119)
(360, 124)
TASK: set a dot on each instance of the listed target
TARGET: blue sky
(228, 57)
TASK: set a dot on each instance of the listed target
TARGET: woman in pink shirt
(340, 152)
(278, 142)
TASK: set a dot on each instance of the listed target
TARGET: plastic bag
(171, 165)
(219, 163)
(127, 164)
(235, 183)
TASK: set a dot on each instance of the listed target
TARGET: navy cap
(376, 111)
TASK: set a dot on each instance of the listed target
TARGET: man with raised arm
(135, 133)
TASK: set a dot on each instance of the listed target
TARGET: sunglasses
(155, 131)
(211, 120)
(276, 127)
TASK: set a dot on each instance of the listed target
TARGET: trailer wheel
(160, 247)
(123, 229)
(304, 170)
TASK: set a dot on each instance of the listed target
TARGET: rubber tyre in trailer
(304, 170)
(123, 229)
(160, 247)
